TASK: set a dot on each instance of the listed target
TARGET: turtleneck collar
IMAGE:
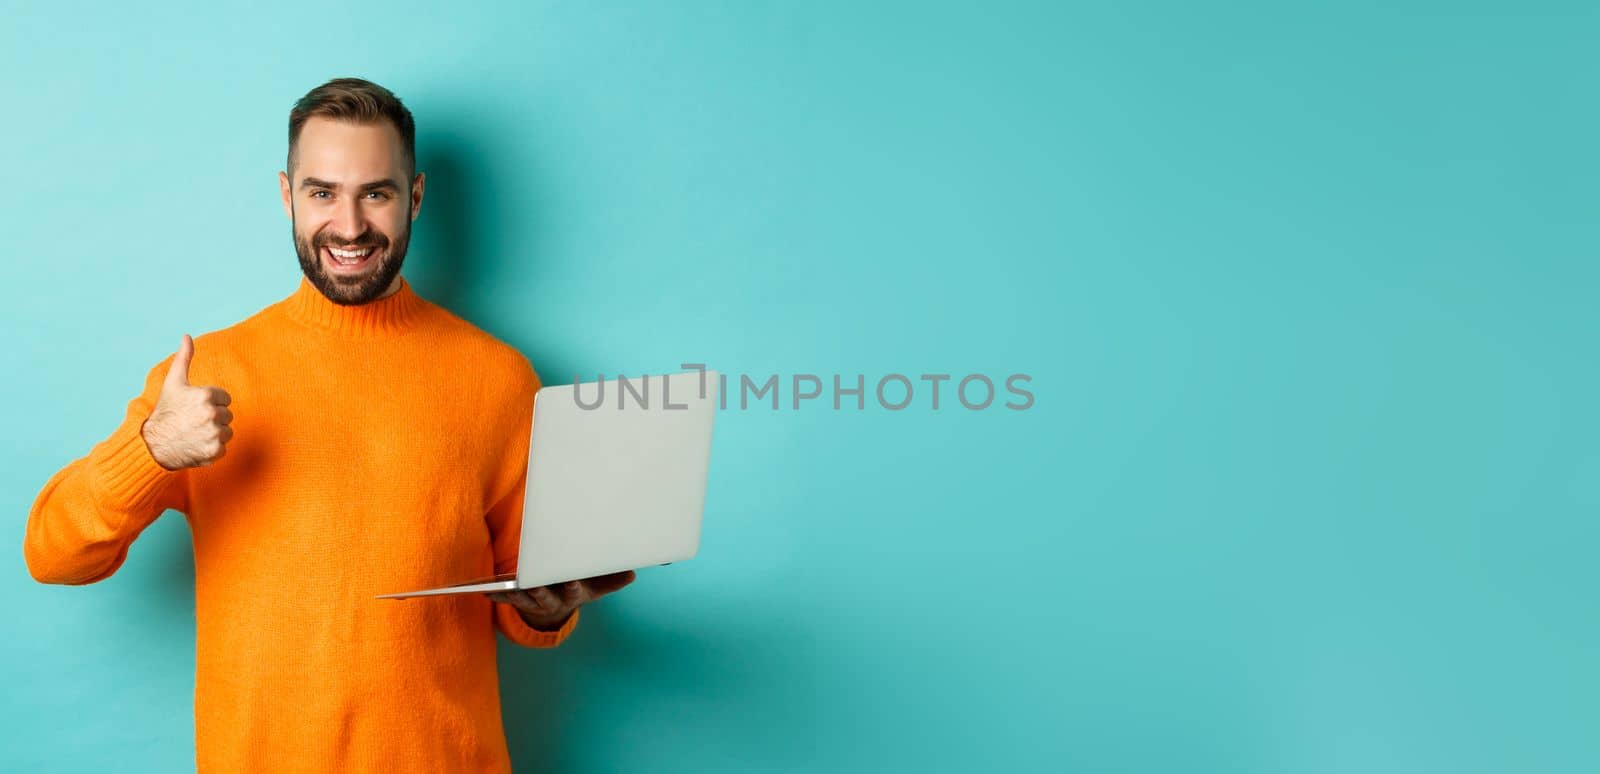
(388, 315)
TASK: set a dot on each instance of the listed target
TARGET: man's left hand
(546, 608)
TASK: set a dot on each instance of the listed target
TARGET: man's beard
(350, 291)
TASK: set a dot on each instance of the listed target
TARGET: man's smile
(348, 261)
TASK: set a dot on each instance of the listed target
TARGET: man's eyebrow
(313, 182)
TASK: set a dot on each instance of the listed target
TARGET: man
(349, 440)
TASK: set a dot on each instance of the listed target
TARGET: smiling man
(349, 440)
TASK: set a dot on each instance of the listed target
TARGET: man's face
(349, 193)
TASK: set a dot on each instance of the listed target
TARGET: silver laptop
(616, 480)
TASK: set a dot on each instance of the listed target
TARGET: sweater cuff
(125, 476)
(518, 631)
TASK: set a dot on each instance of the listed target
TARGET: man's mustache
(375, 242)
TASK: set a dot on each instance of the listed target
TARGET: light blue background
(1307, 292)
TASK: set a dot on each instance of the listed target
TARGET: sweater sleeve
(505, 522)
(89, 512)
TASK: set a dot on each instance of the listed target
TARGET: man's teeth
(349, 256)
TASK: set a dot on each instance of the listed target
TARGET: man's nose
(347, 223)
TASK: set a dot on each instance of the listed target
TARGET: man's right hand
(189, 426)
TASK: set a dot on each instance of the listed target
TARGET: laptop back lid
(616, 475)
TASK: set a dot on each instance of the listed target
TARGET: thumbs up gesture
(189, 426)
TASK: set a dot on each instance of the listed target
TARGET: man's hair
(357, 101)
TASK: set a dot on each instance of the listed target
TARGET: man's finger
(515, 599)
(546, 599)
(219, 396)
(573, 593)
(178, 372)
(601, 585)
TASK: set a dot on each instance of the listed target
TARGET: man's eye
(378, 194)
(315, 194)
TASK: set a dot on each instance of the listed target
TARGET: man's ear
(283, 189)
(417, 184)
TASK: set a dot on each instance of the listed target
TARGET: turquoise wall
(1306, 292)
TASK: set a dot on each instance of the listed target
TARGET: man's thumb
(178, 373)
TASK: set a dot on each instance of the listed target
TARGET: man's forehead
(330, 149)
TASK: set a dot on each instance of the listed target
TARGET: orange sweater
(377, 448)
